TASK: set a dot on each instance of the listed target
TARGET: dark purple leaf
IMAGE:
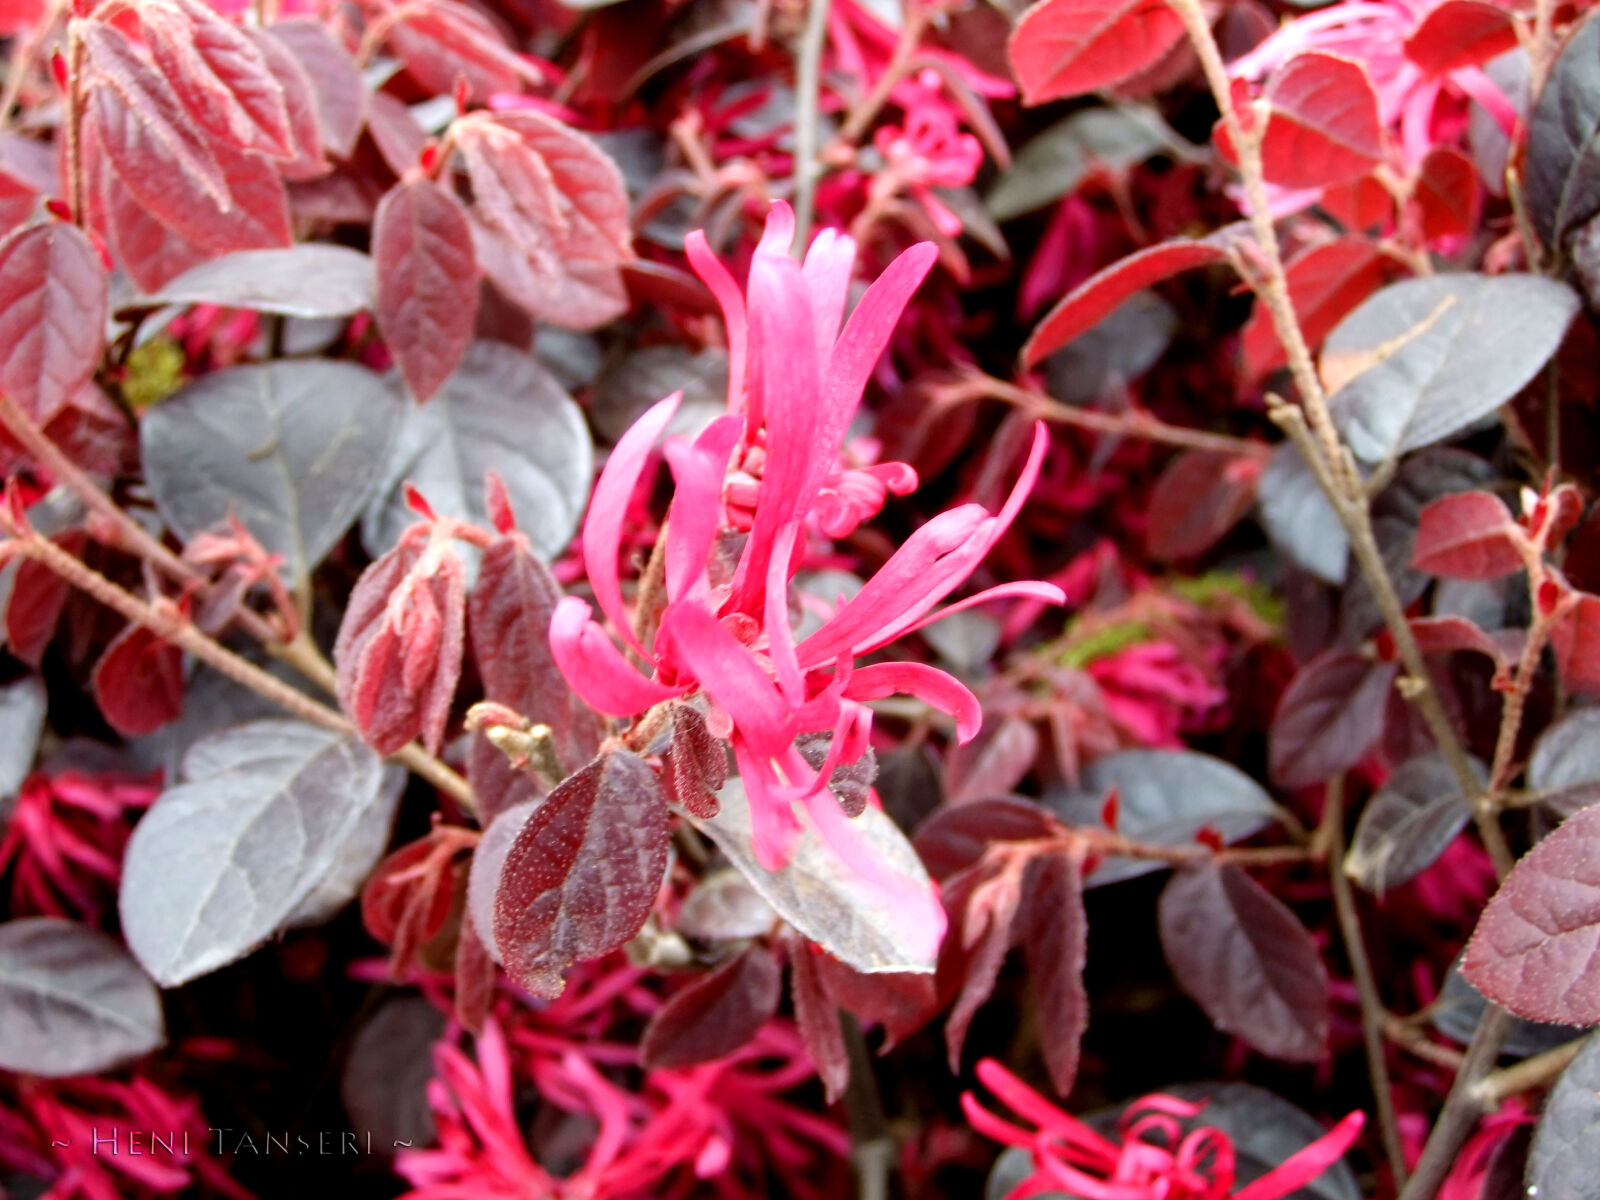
(992, 763)
(714, 1015)
(817, 1017)
(384, 1084)
(1411, 820)
(583, 873)
(1247, 960)
(694, 764)
(1561, 169)
(1330, 715)
(723, 906)
(955, 837)
(982, 902)
(1055, 946)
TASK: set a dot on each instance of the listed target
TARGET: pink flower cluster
(750, 490)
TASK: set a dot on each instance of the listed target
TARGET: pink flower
(929, 152)
(795, 382)
(1153, 1157)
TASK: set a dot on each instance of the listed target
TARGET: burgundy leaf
(475, 978)
(714, 1015)
(1055, 947)
(399, 648)
(150, 252)
(427, 282)
(34, 607)
(583, 874)
(1198, 498)
(18, 199)
(1063, 48)
(851, 782)
(339, 94)
(508, 618)
(138, 682)
(1468, 535)
(900, 1001)
(1324, 125)
(1536, 949)
(992, 763)
(53, 297)
(817, 1017)
(955, 837)
(408, 898)
(1247, 960)
(441, 41)
(1445, 635)
(1093, 300)
(694, 764)
(982, 902)
(219, 76)
(1330, 715)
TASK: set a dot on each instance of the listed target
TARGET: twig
(871, 1144)
(864, 110)
(164, 620)
(1136, 423)
(1461, 1107)
(1372, 1008)
(1417, 1044)
(1495, 1088)
(808, 114)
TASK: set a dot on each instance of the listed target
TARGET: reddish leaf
(399, 648)
(1329, 717)
(151, 253)
(1326, 283)
(1448, 195)
(408, 899)
(583, 874)
(1360, 206)
(982, 902)
(475, 979)
(694, 764)
(1247, 961)
(219, 76)
(1461, 33)
(1445, 635)
(34, 607)
(138, 682)
(53, 297)
(508, 618)
(714, 1015)
(955, 837)
(1324, 125)
(992, 763)
(300, 102)
(440, 41)
(339, 94)
(1534, 950)
(557, 203)
(1063, 48)
(427, 282)
(1575, 638)
(1096, 298)
(1055, 946)
(395, 132)
(1198, 498)
(817, 1017)
(900, 1001)
(18, 199)
(1468, 535)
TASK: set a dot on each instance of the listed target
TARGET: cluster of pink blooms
(56, 1130)
(725, 1128)
(929, 150)
(63, 840)
(1153, 1156)
(764, 478)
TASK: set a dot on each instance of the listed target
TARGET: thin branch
(1372, 1008)
(1135, 423)
(1414, 1042)
(808, 114)
(865, 110)
(164, 620)
(1461, 1109)
(1495, 1088)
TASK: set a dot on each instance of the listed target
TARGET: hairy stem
(1372, 1008)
